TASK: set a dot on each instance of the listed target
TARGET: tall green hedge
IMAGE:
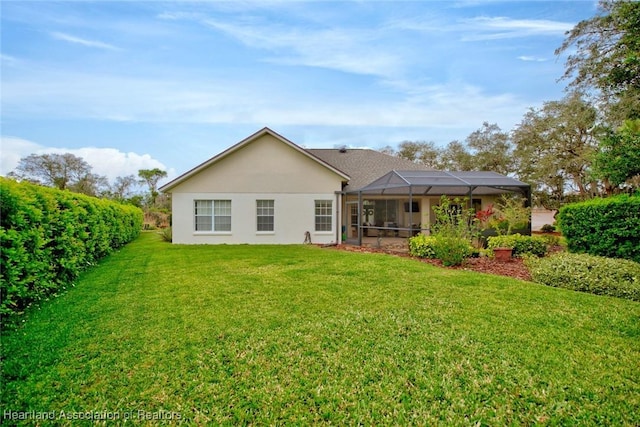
(49, 236)
(605, 227)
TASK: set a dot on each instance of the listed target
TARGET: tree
(619, 158)
(555, 147)
(151, 178)
(487, 149)
(422, 152)
(606, 57)
(91, 184)
(388, 150)
(123, 187)
(409, 150)
(456, 157)
(63, 171)
(491, 149)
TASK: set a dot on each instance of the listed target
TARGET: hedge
(588, 273)
(606, 227)
(49, 236)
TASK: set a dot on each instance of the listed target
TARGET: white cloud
(13, 149)
(528, 58)
(109, 162)
(495, 28)
(83, 42)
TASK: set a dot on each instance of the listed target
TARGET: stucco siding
(294, 214)
(264, 165)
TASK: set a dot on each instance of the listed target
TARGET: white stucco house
(268, 190)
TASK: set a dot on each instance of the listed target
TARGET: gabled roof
(363, 165)
(435, 182)
(262, 132)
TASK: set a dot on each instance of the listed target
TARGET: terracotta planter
(503, 254)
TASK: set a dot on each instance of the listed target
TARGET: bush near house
(450, 250)
(49, 236)
(548, 228)
(521, 245)
(606, 227)
(588, 273)
(422, 246)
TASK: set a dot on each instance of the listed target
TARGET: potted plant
(510, 215)
(503, 251)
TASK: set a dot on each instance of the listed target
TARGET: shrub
(452, 250)
(510, 214)
(49, 236)
(454, 220)
(606, 227)
(547, 228)
(166, 234)
(588, 273)
(522, 245)
(422, 246)
(550, 239)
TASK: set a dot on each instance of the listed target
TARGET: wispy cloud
(199, 100)
(9, 60)
(348, 50)
(495, 28)
(528, 58)
(84, 42)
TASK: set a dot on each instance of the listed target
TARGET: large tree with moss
(605, 57)
(555, 148)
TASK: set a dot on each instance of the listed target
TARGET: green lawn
(304, 335)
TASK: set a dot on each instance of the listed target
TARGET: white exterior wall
(294, 214)
(264, 169)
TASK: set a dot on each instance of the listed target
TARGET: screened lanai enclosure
(399, 203)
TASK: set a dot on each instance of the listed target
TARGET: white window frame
(218, 211)
(265, 208)
(323, 216)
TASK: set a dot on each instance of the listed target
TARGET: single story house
(268, 190)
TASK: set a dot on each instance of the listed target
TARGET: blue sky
(131, 85)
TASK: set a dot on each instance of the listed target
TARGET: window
(354, 214)
(212, 215)
(324, 215)
(265, 214)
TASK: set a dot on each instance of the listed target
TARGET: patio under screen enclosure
(399, 203)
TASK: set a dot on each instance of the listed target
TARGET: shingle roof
(363, 165)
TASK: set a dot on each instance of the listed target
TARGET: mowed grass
(303, 335)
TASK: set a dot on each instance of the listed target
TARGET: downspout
(410, 233)
(359, 218)
(529, 204)
(339, 218)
